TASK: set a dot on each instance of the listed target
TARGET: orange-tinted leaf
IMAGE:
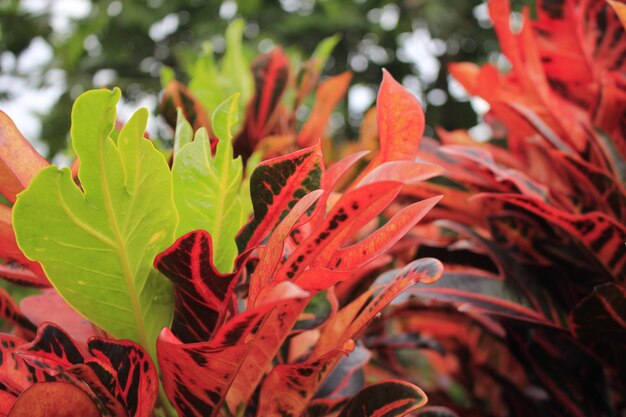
(328, 94)
(19, 162)
(54, 399)
(304, 378)
(400, 123)
(381, 240)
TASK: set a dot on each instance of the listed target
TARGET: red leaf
(54, 399)
(197, 376)
(118, 375)
(304, 378)
(400, 123)
(276, 186)
(600, 234)
(19, 162)
(385, 399)
(328, 94)
(15, 374)
(10, 312)
(202, 294)
(50, 306)
(271, 73)
(271, 254)
(381, 240)
(355, 209)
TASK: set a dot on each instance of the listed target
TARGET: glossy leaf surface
(206, 188)
(97, 245)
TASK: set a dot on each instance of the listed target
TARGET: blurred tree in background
(52, 50)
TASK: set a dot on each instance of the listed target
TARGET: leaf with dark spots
(15, 374)
(270, 334)
(44, 400)
(336, 339)
(198, 376)
(52, 350)
(117, 375)
(381, 240)
(354, 210)
(600, 234)
(10, 312)
(271, 73)
(394, 398)
(276, 186)
(202, 294)
(271, 254)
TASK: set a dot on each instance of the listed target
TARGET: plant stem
(165, 407)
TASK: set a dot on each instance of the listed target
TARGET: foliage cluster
(240, 271)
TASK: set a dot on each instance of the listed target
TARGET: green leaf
(234, 66)
(324, 49)
(206, 188)
(212, 85)
(184, 131)
(97, 244)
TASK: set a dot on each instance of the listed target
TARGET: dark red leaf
(202, 294)
(276, 186)
(118, 375)
(385, 399)
(271, 73)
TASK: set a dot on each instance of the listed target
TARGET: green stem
(164, 406)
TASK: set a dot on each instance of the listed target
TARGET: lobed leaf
(206, 188)
(97, 243)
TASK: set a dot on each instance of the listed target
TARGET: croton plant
(245, 270)
(175, 283)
